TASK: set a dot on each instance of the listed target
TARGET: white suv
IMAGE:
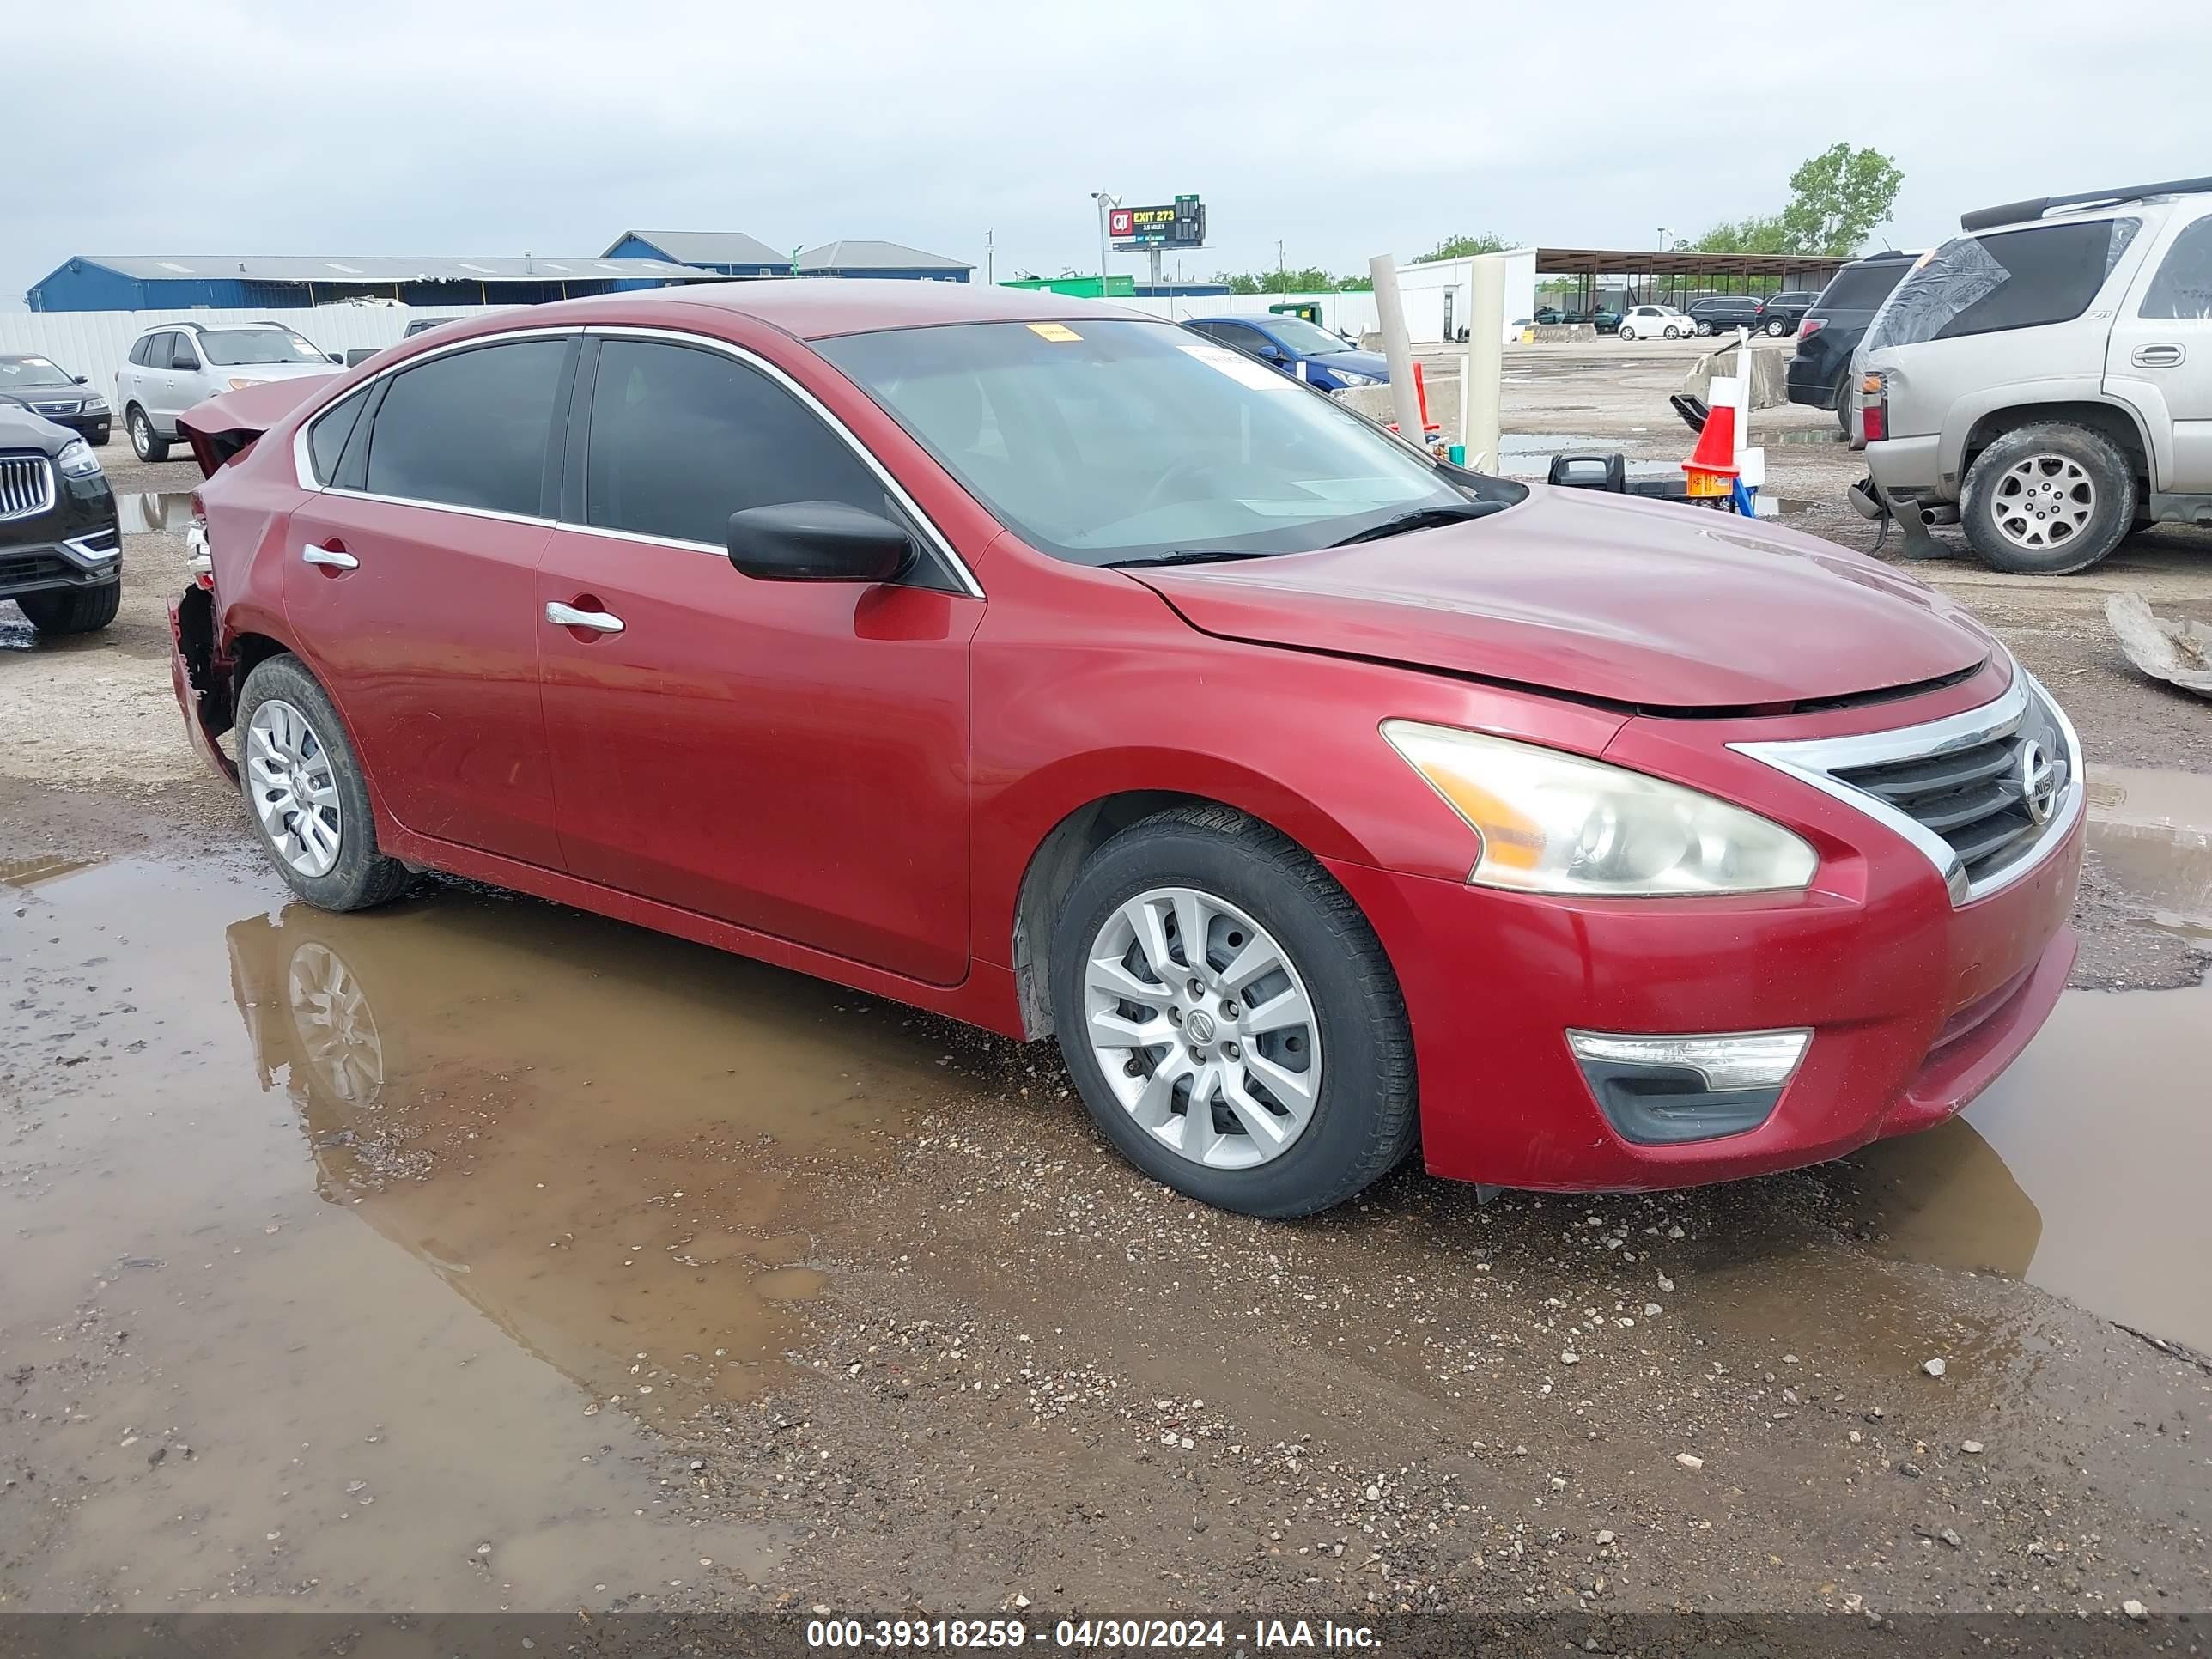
(2046, 380)
(173, 366)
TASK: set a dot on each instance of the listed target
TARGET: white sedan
(1655, 322)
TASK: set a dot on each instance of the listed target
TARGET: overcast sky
(235, 126)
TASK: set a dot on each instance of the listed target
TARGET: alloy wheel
(1203, 1028)
(294, 791)
(338, 1033)
(2044, 501)
(141, 435)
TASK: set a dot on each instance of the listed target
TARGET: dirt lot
(477, 1255)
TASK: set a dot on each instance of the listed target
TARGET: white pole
(1398, 347)
(1479, 390)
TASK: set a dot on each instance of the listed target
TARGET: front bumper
(1915, 1003)
(76, 543)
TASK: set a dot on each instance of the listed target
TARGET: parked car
(422, 325)
(1723, 313)
(61, 549)
(1651, 322)
(2045, 379)
(1030, 661)
(1780, 313)
(1819, 374)
(42, 387)
(1299, 348)
(173, 366)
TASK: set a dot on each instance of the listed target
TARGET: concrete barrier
(1770, 375)
(1554, 333)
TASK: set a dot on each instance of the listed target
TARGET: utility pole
(989, 268)
(1106, 204)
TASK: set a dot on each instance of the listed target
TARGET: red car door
(411, 583)
(790, 756)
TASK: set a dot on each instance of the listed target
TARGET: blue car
(1287, 342)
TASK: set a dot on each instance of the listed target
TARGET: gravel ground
(974, 1362)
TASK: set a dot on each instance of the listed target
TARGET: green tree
(1460, 248)
(1838, 198)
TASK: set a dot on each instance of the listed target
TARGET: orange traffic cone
(1711, 468)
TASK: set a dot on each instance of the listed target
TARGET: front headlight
(95, 405)
(76, 460)
(1554, 822)
(240, 382)
(1353, 377)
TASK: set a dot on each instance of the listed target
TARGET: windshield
(1105, 441)
(20, 374)
(1295, 334)
(232, 346)
(2012, 279)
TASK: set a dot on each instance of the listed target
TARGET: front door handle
(2157, 357)
(336, 558)
(567, 615)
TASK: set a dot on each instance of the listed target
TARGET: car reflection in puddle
(599, 1137)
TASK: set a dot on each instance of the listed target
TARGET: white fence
(94, 344)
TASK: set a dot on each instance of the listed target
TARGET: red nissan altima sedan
(1048, 667)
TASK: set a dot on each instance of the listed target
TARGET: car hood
(266, 372)
(220, 426)
(21, 429)
(1356, 362)
(1647, 603)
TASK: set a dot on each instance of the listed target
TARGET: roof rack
(2008, 213)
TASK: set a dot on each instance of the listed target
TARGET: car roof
(819, 307)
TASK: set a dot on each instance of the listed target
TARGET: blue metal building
(726, 252)
(181, 281)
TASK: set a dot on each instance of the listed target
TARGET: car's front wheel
(143, 441)
(304, 784)
(1672, 332)
(73, 609)
(2048, 500)
(1229, 1018)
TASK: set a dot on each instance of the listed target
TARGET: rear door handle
(336, 558)
(2157, 357)
(567, 615)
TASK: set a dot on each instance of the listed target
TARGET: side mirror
(336, 357)
(818, 542)
(79, 379)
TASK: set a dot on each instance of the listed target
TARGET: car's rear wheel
(1229, 1018)
(304, 787)
(2048, 500)
(1843, 402)
(1703, 330)
(1777, 328)
(73, 609)
(143, 441)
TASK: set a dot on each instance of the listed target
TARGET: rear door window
(2183, 287)
(1861, 287)
(2011, 279)
(683, 436)
(472, 428)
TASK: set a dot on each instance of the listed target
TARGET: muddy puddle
(141, 510)
(2083, 1169)
(376, 1239)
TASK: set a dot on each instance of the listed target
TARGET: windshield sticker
(1053, 332)
(1246, 371)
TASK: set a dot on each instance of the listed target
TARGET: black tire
(1776, 329)
(361, 877)
(1704, 330)
(2110, 474)
(1367, 1115)
(1843, 404)
(1672, 332)
(73, 609)
(145, 443)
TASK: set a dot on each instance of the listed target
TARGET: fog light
(1663, 1091)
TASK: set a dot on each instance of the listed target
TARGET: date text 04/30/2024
(1105, 1634)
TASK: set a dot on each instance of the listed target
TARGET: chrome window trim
(953, 562)
(1812, 760)
(303, 470)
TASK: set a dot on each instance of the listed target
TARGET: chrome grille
(1983, 794)
(69, 406)
(26, 485)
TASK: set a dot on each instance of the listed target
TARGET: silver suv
(173, 366)
(2046, 379)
